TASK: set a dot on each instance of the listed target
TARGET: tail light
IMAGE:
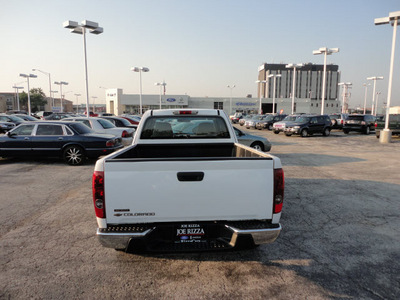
(110, 143)
(341, 121)
(376, 124)
(279, 186)
(363, 123)
(125, 134)
(98, 194)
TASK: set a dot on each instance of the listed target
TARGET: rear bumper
(231, 234)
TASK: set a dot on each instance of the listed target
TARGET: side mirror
(10, 134)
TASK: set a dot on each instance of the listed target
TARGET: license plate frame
(190, 233)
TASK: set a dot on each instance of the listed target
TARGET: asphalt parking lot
(340, 238)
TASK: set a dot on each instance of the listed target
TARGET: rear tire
(270, 127)
(276, 132)
(258, 146)
(346, 131)
(327, 132)
(74, 155)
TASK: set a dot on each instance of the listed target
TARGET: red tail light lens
(279, 187)
(98, 194)
(110, 143)
(125, 134)
(376, 124)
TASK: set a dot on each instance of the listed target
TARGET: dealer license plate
(190, 233)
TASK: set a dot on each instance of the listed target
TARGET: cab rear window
(184, 127)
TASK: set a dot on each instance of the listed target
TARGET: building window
(218, 105)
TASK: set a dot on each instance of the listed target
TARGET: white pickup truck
(185, 184)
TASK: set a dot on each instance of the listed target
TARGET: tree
(38, 99)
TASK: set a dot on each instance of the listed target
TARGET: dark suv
(309, 124)
(360, 123)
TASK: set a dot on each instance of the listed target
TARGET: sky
(196, 47)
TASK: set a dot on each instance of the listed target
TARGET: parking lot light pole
(231, 87)
(94, 104)
(260, 82)
(294, 67)
(140, 70)
(376, 103)
(17, 92)
(346, 86)
(48, 74)
(375, 78)
(94, 28)
(61, 83)
(273, 93)
(162, 85)
(393, 18)
(27, 76)
(326, 51)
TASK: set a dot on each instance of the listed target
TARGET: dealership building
(308, 91)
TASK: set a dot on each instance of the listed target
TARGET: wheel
(276, 132)
(287, 134)
(258, 146)
(367, 130)
(346, 131)
(304, 133)
(270, 127)
(326, 132)
(74, 155)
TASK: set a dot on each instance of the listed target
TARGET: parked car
(56, 116)
(120, 122)
(42, 114)
(251, 123)
(91, 114)
(71, 141)
(254, 141)
(13, 112)
(236, 117)
(359, 123)
(103, 114)
(308, 125)
(6, 126)
(281, 125)
(11, 119)
(132, 119)
(394, 125)
(268, 121)
(244, 119)
(26, 117)
(337, 120)
(100, 125)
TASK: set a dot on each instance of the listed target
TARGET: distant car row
(306, 124)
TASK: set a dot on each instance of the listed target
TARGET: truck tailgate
(147, 191)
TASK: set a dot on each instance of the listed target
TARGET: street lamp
(77, 103)
(140, 70)
(346, 86)
(260, 82)
(393, 18)
(161, 84)
(27, 76)
(81, 29)
(375, 78)
(48, 74)
(16, 90)
(273, 93)
(325, 51)
(231, 87)
(294, 66)
(61, 83)
(365, 96)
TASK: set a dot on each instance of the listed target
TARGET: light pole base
(385, 136)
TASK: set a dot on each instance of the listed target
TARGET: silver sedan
(254, 141)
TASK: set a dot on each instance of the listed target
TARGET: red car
(132, 119)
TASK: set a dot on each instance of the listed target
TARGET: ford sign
(171, 99)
